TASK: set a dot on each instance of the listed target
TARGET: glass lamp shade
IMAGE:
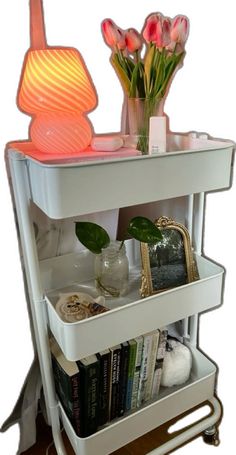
(57, 90)
(60, 132)
(55, 79)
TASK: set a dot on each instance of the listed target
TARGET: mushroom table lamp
(57, 91)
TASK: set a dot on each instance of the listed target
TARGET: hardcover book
(115, 378)
(105, 374)
(89, 379)
(124, 362)
(67, 385)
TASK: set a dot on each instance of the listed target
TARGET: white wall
(202, 98)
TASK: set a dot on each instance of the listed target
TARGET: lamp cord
(52, 444)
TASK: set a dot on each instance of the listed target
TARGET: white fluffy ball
(177, 364)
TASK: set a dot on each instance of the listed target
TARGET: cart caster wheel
(211, 436)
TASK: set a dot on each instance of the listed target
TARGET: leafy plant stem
(111, 291)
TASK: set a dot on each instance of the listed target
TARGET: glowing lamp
(56, 89)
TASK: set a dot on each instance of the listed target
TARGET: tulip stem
(121, 59)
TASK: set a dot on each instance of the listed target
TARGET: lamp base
(60, 132)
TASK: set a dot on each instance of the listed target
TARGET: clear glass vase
(139, 112)
(112, 271)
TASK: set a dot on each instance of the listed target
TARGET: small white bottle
(157, 135)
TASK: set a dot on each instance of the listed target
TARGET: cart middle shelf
(129, 316)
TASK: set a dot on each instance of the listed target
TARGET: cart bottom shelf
(171, 403)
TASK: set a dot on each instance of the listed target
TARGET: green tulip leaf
(92, 236)
(148, 62)
(141, 81)
(122, 74)
(129, 66)
(133, 84)
(144, 230)
(137, 85)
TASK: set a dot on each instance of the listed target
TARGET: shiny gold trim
(167, 223)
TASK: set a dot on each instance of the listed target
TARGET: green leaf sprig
(92, 236)
(95, 237)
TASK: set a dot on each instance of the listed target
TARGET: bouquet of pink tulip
(149, 77)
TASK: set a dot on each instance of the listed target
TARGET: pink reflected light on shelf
(56, 89)
(27, 148)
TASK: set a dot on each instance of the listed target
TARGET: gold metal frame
(167, 223)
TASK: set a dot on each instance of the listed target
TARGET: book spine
(68, 391)
(105, 371)
(139, 341)
(130, 378)
(115, 377)
(151, 365)
(159, 363)
(90, 398)
(76, 411)
(123, 377)
(144, 368)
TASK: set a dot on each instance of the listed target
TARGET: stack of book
(99, 388)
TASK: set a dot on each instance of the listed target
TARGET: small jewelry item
(73, 307)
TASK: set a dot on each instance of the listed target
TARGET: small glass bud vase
(139, 111)
(112, 271)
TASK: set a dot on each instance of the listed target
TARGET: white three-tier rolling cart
(175, 184)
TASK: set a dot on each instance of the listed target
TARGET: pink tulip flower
(133, 40)
(110, 33)
(121, 43)
(157, 30)
(163, 33)
(179, 29)
(149, 32)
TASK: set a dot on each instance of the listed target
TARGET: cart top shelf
(66, 187)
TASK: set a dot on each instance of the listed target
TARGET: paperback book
(159, 363)
(130, 377)
(138, 360)
(151, 366)
(146, 353)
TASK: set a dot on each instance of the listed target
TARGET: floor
(140, 446)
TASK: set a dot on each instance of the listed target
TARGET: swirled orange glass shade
(60, 132)
(55, 79)
(57, 90)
